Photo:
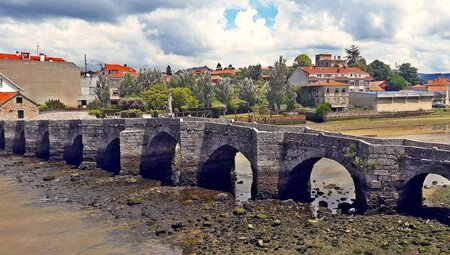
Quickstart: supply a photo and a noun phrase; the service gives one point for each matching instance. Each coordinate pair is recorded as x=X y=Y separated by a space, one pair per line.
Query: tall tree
x=205 y=90
x=224 y=91
x=219 y=67
x=128 y=86
x=277 y=84
x=156 y=97
x=361 y=64
x=182 y=99
x=149 y=77
x=379 y=70
x=353 y=55
x=102 y=90
x=169 y=70
x=409 y=73
x=396 y=82
x=291 y=95
x=253 y=72
x=248 y=91
x=303 y=60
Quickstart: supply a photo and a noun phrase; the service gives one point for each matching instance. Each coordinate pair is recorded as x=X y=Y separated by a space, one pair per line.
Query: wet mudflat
x=200 y=221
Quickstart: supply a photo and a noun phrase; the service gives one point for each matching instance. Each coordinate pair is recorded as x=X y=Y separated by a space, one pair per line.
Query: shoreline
x=202 y=221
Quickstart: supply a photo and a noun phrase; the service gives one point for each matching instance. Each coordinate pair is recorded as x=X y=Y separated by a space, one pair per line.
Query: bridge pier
x=37 y=139
x=14 y=132
x=2 y=135
x=131 y=142
x=65 y=138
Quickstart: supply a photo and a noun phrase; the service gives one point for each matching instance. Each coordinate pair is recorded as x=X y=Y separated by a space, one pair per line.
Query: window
x=336 y=90
x=328 y=90
x=83 y=102
x=19 y=100
x=319 y=75
x=343 y=90
x=361 y=90
x=113 y=71
x=20 y=114
x=1 y=82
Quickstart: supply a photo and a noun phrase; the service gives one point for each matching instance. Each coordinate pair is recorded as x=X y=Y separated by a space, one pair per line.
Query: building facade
x=331 y=92
x=393 y=101
x=440 y=88
x=116 y=74
x=14 y=105
x=42 y=77
x=87 y=92
x=328 y=60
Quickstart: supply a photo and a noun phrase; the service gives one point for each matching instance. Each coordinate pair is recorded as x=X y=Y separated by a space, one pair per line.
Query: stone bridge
x=387 y=173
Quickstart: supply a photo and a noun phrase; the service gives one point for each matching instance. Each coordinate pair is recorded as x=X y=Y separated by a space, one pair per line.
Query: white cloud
x=195 y=33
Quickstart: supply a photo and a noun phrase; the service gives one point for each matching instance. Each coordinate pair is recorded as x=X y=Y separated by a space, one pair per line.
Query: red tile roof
x=121 y=70
x=228 y=71
x=378 y=85
x=32 y=58
x=327 y=83
x=5 y=96
x=439 y=81
x=437 y=88
x=333 y=70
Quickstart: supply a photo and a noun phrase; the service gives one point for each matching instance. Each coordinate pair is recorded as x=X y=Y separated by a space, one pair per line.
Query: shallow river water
x=29 y=225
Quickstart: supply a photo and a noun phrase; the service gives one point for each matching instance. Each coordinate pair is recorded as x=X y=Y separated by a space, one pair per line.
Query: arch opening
x=19 y=143
x=426 y=195
x=228 y=170
x=43 y=147
x=109 y=159
x=2 y=139
x=73 y=153
x=325 y=183
x=160 y=159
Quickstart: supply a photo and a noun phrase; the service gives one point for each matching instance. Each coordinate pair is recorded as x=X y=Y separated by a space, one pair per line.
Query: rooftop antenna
x=37 y=49
x=85 y=63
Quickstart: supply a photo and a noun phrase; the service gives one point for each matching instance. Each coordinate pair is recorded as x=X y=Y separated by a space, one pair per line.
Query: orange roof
x=437 y=88
x=32 y=58
x=331 y=70
x=439 y=81
x=377 y=85
x=327 y=83
x=5 y=96
x=228 y=71
x=118 y=71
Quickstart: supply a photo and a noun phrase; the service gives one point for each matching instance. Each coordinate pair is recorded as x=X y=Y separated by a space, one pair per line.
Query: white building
x=7 y=85
x=87 y=93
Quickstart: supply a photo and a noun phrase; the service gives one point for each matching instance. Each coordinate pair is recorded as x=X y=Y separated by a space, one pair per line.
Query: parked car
x=438 y=105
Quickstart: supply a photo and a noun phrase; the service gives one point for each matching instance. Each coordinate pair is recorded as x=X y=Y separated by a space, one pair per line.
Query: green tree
x=224 y=91
x=102 y=90
x=219 y=67
x=409 y=73
x=277 y=84
x=396 y=82
x=132 y=103
x=253 y=72
x=205 y=90
x=362 y=64
x=156 y=97
x=182 y=99
x=303 y=60
x=321 y=112
x=304 y=99
x=128 y=86
x=147 y=78
x=379 y=70
x=248 y=91
x=353 y=55
x=291 y=95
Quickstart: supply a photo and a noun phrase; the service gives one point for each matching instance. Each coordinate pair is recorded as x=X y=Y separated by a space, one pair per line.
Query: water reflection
x=244 y=178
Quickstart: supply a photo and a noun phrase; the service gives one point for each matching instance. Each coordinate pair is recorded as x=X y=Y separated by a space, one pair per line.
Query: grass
x=343 y=125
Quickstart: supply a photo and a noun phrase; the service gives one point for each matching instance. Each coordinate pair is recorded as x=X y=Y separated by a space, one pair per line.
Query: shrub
x=43 y=107
x=96 y=112
x=321 y=112
x=132 y=103
x=131 y=113
x=55 y=104
x=95 y=104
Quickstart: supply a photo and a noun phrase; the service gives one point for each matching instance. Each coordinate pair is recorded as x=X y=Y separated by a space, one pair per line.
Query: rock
x=250 y=226
x=49 y=178
x=131 y=180
x=239 y=182
x=422 y=249
x=260 y=243
x=177 y=225
x=330 y=186
x=276 y=223
x=425 y=242
x=134 y=201
x=239 y=211
x=207 y=223
x=312 y=221
x=261 y=216
x=74 y=177
x=323 y=204
x=222 y=197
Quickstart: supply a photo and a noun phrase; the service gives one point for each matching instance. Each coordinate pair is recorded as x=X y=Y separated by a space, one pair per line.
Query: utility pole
x=37 y=48
x=85 y=64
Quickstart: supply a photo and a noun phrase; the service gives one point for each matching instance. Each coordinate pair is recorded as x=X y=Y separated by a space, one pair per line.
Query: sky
x=182 y=34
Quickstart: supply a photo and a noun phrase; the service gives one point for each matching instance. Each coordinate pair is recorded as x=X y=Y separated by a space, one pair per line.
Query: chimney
x=339 y=57
x=17 y=53
x=125 y=65
x=41 y=57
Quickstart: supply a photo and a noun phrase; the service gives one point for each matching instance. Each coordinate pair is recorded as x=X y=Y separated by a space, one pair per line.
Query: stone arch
x=43 y=147
x=2 y=139
x=19 y=143
x=73 y=152
x=216 y=172
x=158 y=160
x=296 y=183
x=109 y=159
x=411 y=192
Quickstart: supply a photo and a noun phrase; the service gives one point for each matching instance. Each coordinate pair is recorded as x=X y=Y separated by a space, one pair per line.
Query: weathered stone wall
x=10 y=109
x=387 y=173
